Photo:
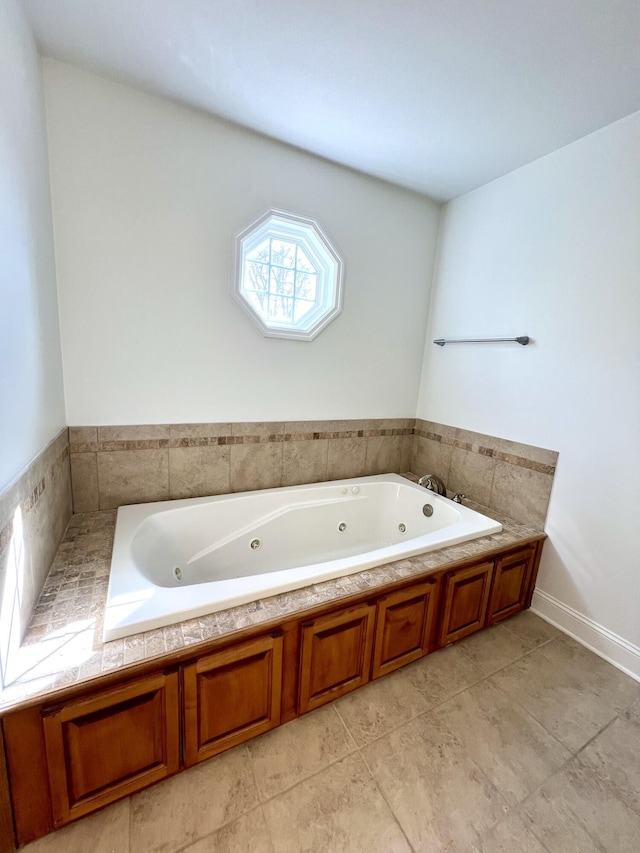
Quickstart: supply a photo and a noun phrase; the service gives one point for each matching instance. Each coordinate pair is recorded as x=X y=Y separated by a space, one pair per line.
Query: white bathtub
x=175 y=560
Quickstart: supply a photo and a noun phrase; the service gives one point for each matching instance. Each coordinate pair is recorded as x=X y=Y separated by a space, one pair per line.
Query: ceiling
x=440 y=96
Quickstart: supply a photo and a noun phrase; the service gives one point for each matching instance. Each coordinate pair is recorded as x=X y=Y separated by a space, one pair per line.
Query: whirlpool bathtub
x=176 y=560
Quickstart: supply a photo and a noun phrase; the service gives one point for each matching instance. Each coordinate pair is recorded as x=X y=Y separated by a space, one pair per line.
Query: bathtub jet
x=176 y=560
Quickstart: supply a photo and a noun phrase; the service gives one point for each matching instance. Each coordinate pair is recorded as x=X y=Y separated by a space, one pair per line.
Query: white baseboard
x=614 y=649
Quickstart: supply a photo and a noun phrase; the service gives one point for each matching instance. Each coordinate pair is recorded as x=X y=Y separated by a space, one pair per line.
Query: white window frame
x=290 y=227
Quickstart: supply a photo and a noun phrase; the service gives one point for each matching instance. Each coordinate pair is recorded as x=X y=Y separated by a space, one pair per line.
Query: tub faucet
x=434 y=483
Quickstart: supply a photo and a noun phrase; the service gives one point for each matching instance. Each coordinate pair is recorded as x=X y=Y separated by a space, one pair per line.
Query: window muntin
x=288 y=276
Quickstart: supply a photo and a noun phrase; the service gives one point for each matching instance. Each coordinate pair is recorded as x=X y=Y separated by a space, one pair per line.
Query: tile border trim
x=222 y=440
x=512 y=459
x=229 y=437
x=13 y=496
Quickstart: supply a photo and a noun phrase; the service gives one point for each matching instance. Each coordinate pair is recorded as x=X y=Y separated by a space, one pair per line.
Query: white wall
x=148 y=197
x=553 y=251
x=31 y=395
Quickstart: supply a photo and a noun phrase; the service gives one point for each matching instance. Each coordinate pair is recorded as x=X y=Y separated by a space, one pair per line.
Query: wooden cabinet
x=112 y=744
x=90 y=750
x=7 y=836
x=511 y=583
x=231 y=696
x=336 y=655
x=464 y=604
x=404 y=624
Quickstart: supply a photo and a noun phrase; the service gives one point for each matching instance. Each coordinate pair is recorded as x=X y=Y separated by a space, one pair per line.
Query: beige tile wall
x=42 y=493
x=514 y=479
x=111 y=466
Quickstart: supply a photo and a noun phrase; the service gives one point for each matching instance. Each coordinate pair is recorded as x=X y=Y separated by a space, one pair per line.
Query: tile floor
x=515 y=739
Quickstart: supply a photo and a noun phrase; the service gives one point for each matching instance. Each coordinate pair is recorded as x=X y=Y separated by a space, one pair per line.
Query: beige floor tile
x=381 y=706
x=531 y=628
x=514 y=751
x=340 y=809
x=442 y=674
x=576 y=813
x=297 y=750
x=193 y=804
x=439 y=795
x=107 y=831
x=614 y=757
x=247 y=834
x=571 y=691
x=511 y=835
x=493 y=649
x=633 y=713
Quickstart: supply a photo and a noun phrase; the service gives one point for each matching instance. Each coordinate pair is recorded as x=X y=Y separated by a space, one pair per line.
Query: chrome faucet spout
x=433 y=483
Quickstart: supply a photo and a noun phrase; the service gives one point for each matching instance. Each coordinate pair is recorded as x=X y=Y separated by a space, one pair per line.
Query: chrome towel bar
x=522 y=339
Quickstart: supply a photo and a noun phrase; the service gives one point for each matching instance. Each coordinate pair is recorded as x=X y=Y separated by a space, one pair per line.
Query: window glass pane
x=283 y=253
x=256 y=277
x=282 y=281
x=280 y=309
x=259 y=302
x=306 y=286
x=303 y=263
x=260 y=254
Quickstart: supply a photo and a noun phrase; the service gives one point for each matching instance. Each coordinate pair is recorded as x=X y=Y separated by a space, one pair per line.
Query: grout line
x=98 y=483
x=253 y=770
x=596 y=735
x=306 y=778
x=384 y=797
x=483 y=677
x=201 y=838
x=268 y=827
x=528 y=712
x=345 y=726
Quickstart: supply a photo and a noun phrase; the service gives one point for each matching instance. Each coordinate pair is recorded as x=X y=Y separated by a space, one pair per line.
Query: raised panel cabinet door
x=336 y=655
x=403 y=627
x=510 y=587
x=465 y=600
x=107 y=746
x=231 y=696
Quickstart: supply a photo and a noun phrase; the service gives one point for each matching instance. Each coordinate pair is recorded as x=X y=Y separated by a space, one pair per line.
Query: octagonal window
x=288 y=276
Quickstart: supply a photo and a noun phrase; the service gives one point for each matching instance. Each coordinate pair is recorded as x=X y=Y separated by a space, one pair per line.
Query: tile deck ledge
x=63 y=646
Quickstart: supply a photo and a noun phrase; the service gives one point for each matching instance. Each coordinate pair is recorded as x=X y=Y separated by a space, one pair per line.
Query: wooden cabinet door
x=403 y=627
x=7 y=835
x=336 y=655
x=231 y=696
x=510 y=588
x=102 y=748
x=465 y=599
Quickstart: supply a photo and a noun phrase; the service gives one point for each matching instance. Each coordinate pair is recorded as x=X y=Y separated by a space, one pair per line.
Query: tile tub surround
x=63 y=646
x=506 y=476
x=30 y=538
x=111 y=466
x=116 y=465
